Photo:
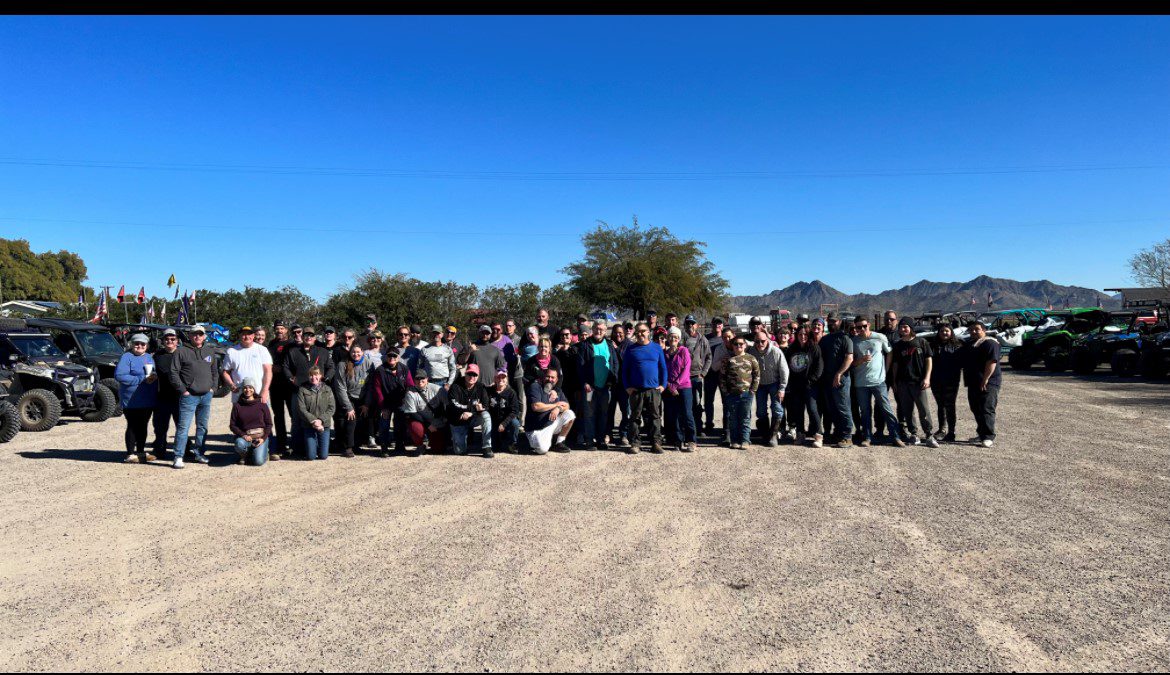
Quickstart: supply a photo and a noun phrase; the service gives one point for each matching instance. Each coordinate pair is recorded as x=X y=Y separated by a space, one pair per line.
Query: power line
x=569 y=175
x=804 y=229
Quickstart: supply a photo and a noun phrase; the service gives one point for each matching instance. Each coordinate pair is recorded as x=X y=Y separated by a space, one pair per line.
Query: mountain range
x=925 y=296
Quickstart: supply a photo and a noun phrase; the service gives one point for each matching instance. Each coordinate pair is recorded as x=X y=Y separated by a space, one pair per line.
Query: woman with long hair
x=804 y=372
x=349 y=388
x=944 y=379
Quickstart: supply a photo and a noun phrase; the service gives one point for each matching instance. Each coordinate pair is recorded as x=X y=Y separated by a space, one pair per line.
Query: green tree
x=637 y=268
x=397 y=299
x=25 y=275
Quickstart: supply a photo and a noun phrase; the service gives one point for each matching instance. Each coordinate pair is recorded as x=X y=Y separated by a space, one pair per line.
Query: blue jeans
x=838 y=400
x=316 y=443
x=680 y=417
x=459 y=432
x=595 y=407
x=256 y=456
x=766 y=393
x=196 y=408
x=884 y=415
x=737 y=411
x=510 y=435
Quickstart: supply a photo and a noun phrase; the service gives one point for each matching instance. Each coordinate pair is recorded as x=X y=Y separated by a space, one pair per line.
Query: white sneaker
x=178 y=464
x=818 y=441
x=914 y=441
x=931 y=442
x=987 y=443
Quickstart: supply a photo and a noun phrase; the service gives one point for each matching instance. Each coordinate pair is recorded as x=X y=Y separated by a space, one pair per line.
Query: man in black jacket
x=467 y=406
x=280 y=392
x=504 y=408
x=166 y=407
x=298 y=359
x=193 y=374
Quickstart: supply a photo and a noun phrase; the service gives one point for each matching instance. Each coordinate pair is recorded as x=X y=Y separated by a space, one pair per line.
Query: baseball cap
x=415 y=328
x=309 y=330
x=246 y=329
x=278 y=323
x=436 y=329
x=139 y=338
x=452 y=329
x=330 y=329
x=421 y=374
x=690 y=319
x=393 y=351
x=502 y=371
x=472 y=368
x=716 y=320
x=651 y=312
x=199 y=329
x=170 y=331
x=484 y=328
x=295 y=326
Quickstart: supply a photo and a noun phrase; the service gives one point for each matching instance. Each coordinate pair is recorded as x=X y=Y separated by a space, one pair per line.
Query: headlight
x=83 y=385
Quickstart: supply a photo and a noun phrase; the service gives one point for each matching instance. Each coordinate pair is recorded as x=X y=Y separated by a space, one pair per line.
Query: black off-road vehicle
x=9 y=420
x=42 y=383
x=88 y=344
x=1116 y=344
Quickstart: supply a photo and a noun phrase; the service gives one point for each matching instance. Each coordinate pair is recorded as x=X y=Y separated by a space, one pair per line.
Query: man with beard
x=549 y=415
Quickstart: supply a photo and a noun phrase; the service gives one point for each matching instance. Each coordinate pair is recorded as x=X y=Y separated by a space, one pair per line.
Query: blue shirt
x=644 y=366
x=130 y=373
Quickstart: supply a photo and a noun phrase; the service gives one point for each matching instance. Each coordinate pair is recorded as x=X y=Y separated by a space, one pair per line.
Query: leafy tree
x=636 y=268
x=398 y=299
x=39 y=276
x=1151 y=268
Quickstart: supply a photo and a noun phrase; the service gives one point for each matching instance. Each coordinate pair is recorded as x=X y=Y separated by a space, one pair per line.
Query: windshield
x=37 y=346
x=96 y=342
x=988 y=319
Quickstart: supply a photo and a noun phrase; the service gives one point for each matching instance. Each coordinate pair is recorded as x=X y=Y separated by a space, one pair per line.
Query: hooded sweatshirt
x=352 y=389
x=252 y=414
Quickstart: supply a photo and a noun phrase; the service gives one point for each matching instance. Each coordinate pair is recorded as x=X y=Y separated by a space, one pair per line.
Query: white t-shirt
x=243 y=363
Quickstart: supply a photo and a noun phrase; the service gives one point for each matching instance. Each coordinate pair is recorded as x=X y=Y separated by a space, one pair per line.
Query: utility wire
x=568 y=175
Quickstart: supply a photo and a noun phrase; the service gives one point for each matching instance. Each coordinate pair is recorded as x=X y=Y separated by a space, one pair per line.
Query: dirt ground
x=1046 y=552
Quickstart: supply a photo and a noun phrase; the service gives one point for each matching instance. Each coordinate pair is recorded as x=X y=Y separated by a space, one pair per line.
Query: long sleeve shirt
x=740 y=374
x=773 y=365
x=644 y=367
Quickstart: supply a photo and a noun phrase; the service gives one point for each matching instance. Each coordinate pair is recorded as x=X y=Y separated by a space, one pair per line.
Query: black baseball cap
x=690 y=319
x=716 y=320
x=278 y=323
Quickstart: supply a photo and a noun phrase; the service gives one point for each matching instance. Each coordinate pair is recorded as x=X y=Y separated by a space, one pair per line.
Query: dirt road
x=1046 y=552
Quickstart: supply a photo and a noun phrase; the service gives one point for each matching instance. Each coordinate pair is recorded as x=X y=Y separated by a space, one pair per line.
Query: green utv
x=1052 y=343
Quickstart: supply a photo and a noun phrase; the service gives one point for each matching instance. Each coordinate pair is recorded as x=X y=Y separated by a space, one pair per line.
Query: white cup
x=149 y=369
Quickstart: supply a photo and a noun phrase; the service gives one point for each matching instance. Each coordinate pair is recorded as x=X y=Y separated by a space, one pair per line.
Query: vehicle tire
x=1019 y=359
x=1124 y=363
x=1083 y=363
x=112 y=384
x=38 y=410
x=1151 y=364
x=1056 y=359
x=104 y=401
x=9 y=422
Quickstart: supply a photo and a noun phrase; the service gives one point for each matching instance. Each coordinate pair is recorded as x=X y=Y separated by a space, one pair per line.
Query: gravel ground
x=1046 y=552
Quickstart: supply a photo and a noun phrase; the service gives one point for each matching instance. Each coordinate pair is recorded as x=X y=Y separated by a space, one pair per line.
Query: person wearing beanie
x=251 y=423
x=423 y=421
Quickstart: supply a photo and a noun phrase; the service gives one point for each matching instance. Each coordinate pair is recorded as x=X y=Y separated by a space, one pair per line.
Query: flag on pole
x=100 y=312
x=142 y=295
x=1098 y=302
x=176 y=293
x=1048 y=302
x=171 y=281
x=122 y=294
x=184 y=311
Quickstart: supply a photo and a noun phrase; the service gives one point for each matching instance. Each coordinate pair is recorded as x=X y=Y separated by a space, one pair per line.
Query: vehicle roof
x=66 y=324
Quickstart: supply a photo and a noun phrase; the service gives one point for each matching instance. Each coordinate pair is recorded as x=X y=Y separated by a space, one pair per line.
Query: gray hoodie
x=773 y=365
x=193 y=370
x=700 y=351
x=350 y=389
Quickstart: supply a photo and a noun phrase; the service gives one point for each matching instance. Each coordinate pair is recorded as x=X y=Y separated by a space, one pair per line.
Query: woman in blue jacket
x=138 y=389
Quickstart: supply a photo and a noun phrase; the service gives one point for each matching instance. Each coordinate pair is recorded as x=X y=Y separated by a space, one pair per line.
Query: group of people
x=550 y=389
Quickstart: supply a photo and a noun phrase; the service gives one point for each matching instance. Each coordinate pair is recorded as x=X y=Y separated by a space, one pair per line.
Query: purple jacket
x=678 y=368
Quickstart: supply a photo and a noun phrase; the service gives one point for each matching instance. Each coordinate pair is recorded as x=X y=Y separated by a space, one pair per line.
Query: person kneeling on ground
x=467 y=407
x=549 y=415
x=504 y=408
x=251 y=422
x=418 y=415
x=316 y=405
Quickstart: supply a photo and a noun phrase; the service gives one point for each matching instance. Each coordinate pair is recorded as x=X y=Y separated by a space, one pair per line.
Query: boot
x=761 y=428
x=773 y=433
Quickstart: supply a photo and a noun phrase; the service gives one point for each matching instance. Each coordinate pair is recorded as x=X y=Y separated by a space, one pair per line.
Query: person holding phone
x=138 y=390
x=251 y=422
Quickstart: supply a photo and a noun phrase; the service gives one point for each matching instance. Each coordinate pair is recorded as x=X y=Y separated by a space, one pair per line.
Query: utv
x=9 y=420
x=1154 y=358
x=43 y=384
x=1116 y=344
x=88 y=344
x=1052 y=343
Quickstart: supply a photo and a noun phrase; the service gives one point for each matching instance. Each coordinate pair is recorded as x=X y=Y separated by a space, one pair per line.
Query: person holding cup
x=138 y=390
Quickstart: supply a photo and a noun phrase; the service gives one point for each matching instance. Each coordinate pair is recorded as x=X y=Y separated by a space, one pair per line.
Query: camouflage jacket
x=740 y=373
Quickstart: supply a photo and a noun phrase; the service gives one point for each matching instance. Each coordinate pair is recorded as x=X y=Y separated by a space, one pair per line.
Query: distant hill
x=925 y=296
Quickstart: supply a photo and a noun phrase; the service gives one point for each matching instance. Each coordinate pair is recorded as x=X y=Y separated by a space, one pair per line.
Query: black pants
x=348 y=430
x=983 y=405
x=165 y=412
x=137 y=422
x=281 y=399
x=644 y=407
x=710 y=390
x=944 y=398
x=805 y=401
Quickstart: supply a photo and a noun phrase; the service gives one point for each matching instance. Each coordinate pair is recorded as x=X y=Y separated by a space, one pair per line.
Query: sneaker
x=865 y=443
x=678 y=448
x=844 y=443
x=201 y=458
x=178 y=464
x=949 y=438
x=348 y=453
x=987 y=443
x=274 y=456
x=512 y=449
x=132 y=459
x=818 y=441
x=633 y=449
x=488 y=454
x=624 y=442
x=931 y=442
x=147 y=457
x=771 y=441
x=383 y=453
x=656 y=448
x=689 y=447
x=899 y=443
x=242 y=460
x=560 y=447
x=914 y=440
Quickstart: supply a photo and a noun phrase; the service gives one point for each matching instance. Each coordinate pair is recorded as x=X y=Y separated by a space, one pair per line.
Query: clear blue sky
x=866 y=152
